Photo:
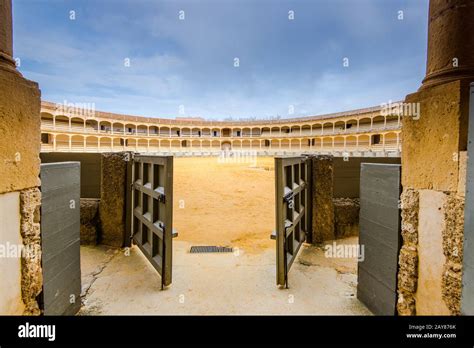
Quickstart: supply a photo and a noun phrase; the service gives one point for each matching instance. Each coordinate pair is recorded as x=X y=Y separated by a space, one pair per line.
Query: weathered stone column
x=112 y=206
x=6 y=37
x=450 y=42
x=323 y=207
x=433 y=152
x=19 y=178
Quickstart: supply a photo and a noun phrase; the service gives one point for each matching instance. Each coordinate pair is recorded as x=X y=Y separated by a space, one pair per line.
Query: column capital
x=6 y=36
x=450 y=42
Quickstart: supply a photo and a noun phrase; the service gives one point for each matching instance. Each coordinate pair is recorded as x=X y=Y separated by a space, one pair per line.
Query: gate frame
x=281 y=235
x=165 y=270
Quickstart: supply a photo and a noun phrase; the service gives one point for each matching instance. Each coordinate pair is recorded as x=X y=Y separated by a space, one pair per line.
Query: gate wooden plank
x=293 y=211
x=379 y=235
x=152 y=211
x=60 y=237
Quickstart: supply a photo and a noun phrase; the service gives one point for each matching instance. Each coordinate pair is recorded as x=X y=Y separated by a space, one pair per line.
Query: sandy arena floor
x=225 y=203
x=228 y=204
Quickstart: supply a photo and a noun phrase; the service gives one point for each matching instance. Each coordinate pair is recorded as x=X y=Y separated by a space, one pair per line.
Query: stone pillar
x=430 y=260
x=112 y=207
x=450 y=42
x=6 y=37
x=323 y=207
x=19 y=174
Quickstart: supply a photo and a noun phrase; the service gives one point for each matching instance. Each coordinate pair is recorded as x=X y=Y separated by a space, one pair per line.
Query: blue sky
x=186 y=67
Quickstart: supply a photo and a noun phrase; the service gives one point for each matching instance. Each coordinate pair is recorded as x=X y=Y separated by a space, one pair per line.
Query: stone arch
x=378 y=122
x=154 y=145
x=317 y=128
x=351 y=125
x=327 y=143
x=364 y=124
x=328 y=127
x=164 y=131
x=364 y=142
x=92 y=143
x=142 y=129
x=206 y=144
x=153 y=130
x=77 y=124
x=275 y=144
x=339 y=143
x=77 y=143
x=105 y=126
x=226 y=146
x=62 y=142
x=215 y=145
x=295 y=144
x=105 y=144
x=306 y=130
x=351 y=142
x=196 y=144
x=117 y=127
x=62 y=122
x=340 y=126
x=47 y=120
x=285 y=144
x=118 y=144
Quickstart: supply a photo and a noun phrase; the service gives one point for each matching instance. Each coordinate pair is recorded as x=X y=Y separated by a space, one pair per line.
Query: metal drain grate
x=209 y=249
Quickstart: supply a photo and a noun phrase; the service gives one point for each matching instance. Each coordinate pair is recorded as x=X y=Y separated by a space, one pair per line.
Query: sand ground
x=227 y=204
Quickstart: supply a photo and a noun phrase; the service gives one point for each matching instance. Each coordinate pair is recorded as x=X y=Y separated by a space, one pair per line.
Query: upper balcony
x=63 y=124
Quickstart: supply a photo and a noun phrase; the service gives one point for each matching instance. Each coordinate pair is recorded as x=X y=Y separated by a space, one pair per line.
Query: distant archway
x=226 y=146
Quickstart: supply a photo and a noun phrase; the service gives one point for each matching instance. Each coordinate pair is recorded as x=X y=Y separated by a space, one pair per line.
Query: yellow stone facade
x=357 y=131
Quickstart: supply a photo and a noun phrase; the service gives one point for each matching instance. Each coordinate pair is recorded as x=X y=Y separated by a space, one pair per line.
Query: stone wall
x=424 y=168
x=103 y=219
x=346 y=217
x=20 y=129
x=408 y=259
x=453 y=236
x=113 y=198
x=32 y=276
x=333 y=217
x=10 y=267
x=430 y=260
x=19 y=171
x=90 y=224
x=323 y=207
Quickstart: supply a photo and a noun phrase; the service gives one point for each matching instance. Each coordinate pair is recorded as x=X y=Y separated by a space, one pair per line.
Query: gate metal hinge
x=161 y=198
x=288 y=196
x=174 y=233
x=288 y=224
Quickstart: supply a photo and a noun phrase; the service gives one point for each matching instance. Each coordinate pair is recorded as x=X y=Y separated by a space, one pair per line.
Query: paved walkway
x=230 y=283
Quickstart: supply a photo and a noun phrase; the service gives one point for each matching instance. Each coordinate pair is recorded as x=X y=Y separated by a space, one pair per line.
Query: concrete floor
x=230 y=283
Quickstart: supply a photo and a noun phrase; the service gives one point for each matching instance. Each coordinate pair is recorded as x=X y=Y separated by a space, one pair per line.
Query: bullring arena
x=224 y=195
x=70 y=129
x=358 y=212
